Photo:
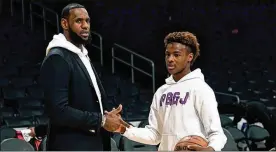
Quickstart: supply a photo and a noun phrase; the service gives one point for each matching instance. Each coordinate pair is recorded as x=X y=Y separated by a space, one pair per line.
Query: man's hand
x=198 y=148
x=114 y=121
x=115 y=111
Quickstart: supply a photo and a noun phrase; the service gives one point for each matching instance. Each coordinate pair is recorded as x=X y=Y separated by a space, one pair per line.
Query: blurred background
x=237 y=58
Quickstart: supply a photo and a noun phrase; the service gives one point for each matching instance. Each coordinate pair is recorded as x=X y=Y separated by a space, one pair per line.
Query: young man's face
x=177 y=57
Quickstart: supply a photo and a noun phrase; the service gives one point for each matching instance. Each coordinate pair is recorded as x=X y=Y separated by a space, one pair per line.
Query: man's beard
x=77 y=39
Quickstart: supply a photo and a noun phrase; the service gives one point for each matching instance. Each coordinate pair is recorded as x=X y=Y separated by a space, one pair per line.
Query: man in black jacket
x=73 y=98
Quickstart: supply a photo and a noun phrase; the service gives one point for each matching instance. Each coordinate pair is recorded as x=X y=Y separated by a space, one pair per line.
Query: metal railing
x=22 y=7
x=43 y=17
x=229 y=95
x=100 y=47
x=131 y=64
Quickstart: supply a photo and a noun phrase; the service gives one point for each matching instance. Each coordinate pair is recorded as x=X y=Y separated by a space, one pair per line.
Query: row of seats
x=237 y=140
x=250 y=139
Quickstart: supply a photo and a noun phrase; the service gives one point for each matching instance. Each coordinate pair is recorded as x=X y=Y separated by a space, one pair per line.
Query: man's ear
x=64 y=24
x=190 y=57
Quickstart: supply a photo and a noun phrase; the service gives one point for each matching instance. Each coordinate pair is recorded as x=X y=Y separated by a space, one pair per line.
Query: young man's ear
x=190 y=57
x=64 y=24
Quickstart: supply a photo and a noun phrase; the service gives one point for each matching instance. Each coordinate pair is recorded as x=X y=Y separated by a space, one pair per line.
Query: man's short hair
x=66 y=10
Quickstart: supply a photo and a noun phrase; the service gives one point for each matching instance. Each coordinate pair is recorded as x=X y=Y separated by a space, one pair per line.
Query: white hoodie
x=179 y=109
x=60 y=41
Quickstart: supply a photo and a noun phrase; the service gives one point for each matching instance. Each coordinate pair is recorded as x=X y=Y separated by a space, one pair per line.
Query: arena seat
x=128 y=145
x=35 y=92
x=6 y=112
x=117 y=137
x=256 y=134
x=140 y=107
x=230 y=145
x=29 y=103
x=111 y=90
x=4 y=82
x=29 y=71
x=42 y=146
x=239 y=137
x=7 y=71
x=22 y=82
x=7 y=133
x=19 y=122
x=113 y=145
x=146 y=96
x=14 y=144
x=127 y=89
x=143 y=123
x=111 y=84
x=15 y=61
x=14 y=93
x=41 y=120
x=30 y=111
x=226 y=121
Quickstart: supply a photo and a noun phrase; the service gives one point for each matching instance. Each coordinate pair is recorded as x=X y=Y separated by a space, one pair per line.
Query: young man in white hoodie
x=185 y=105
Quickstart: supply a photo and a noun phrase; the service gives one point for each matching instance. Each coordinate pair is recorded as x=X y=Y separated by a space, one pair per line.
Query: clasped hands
x=114 y=121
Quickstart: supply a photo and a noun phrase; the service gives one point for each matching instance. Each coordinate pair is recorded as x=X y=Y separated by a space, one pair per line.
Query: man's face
x=79 y=26
x=177 y=57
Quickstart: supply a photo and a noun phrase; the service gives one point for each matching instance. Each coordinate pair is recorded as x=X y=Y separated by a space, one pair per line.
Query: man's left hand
x=198 y=148
x=114 y=121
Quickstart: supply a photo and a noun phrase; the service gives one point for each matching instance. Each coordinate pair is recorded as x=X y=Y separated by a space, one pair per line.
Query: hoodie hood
x=196 y=74
x=60 y=41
